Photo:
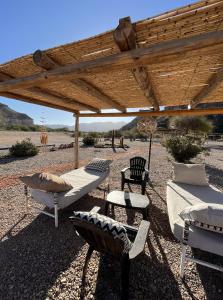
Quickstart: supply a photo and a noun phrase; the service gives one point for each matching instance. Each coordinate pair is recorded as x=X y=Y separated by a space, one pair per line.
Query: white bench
x=180 y=196
x=83 y=182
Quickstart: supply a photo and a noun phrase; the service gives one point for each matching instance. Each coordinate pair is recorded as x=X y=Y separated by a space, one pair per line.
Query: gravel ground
x=38 y=261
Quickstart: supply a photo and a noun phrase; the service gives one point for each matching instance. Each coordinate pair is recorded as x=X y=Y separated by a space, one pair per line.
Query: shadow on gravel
x=146 y=277
x=8 y=159
x=215 y=175
x=32 y=260
x=212 y=280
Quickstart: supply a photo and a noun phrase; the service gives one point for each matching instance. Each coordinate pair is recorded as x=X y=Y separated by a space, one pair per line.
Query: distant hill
x=163 y=122
x=94 y=126
x=9 y=117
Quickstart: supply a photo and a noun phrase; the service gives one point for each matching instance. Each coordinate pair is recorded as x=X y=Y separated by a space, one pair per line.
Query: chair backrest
x=137 y=167
x=100 y=240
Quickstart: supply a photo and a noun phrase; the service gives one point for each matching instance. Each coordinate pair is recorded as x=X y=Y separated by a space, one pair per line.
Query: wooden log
x=36 y=101
x=191 y=112
x=76 y=142
x=41 y=59
x=205 y=44
x=48 y=97
x=125 y=38
x=214 y=81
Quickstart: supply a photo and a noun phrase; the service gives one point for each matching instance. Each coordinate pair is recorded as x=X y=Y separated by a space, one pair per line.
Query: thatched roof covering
x=172 y=59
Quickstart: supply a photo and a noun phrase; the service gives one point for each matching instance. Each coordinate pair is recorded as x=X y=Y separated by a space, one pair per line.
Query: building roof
x=172 y=59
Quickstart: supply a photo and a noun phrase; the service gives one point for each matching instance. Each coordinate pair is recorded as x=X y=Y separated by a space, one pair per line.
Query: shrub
x=182 y=148
x=89 y=141
x=194 y=124
x=24 y=148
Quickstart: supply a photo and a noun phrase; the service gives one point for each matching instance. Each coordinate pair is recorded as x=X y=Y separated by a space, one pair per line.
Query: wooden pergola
x=172 y=59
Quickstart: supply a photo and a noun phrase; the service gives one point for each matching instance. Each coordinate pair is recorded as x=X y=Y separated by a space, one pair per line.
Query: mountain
x=9 y=116
x=163 y=122
x=94 y=126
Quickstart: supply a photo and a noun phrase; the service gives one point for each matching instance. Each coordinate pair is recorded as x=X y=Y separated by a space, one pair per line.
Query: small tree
x=182 y=148
x=193 y=124
x=89 y=141
x=24 y=148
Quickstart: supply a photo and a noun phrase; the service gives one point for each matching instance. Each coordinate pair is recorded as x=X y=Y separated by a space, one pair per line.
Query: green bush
x=89 y=141
x=182 y=148
x=24 y=148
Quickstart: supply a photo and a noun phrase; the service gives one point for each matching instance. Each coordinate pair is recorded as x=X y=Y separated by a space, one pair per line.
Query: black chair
x=104 y=242
x=138 y=173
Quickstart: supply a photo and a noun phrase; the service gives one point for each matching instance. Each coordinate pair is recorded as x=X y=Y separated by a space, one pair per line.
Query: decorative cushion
x=98 y=164
x=46 y=182
x=209 y=216
x=190 y=174
x=107 y=224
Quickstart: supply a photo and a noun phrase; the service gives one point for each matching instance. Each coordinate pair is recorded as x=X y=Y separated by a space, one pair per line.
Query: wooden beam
x=49 y=97
x=76 y=142
x=125 y=38
x=42 y=60
x=35 y=101
x=214 y=81
x=191 y=112
x=204 y=44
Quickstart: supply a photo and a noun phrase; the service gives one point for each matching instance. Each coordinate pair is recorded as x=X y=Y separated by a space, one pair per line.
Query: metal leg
x=182 y=260
x=27 y=198
x=87 y=259
x=56 y=215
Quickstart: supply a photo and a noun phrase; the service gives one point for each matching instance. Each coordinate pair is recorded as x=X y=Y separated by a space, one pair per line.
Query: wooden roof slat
x=204 y=44
x=44 y=61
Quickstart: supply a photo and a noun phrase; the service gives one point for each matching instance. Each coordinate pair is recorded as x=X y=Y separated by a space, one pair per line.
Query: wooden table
x=128 y=200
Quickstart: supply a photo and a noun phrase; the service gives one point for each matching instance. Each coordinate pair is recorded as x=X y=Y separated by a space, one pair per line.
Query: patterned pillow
x=106 y=224
x=98 y=164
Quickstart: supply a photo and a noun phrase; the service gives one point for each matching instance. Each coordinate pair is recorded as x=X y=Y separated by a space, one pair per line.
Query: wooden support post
x=76 y=142
x=125 y=38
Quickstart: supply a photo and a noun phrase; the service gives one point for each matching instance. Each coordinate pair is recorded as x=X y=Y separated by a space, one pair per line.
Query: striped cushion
x=98 y=164
x=208 y=216
x=106 y=224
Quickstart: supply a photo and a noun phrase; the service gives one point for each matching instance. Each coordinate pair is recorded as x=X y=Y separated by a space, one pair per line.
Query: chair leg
x=125 y=268
x=87 y=259
x=106 y=208
x=143 y=189
x=182 y=261
x=56 y=215
x=122 y=185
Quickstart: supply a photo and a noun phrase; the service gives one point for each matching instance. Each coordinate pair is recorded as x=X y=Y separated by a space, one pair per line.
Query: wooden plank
x=36 y=101
x=76 y=142
x=125 y=38
x=191 y=112
x=48 y=97
x=42 y=60
x=205 y=44
x=214 y=81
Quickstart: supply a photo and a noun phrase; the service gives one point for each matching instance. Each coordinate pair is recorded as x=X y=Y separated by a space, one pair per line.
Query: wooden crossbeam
x=38 y=92
x=214 y=81
x=42 y=60
x=125 y=38
x=204 y=44
x=183 y=112
x=48 y=97
x=36 y=101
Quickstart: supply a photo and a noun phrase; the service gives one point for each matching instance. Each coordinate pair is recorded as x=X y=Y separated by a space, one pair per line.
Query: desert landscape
x=41 y=262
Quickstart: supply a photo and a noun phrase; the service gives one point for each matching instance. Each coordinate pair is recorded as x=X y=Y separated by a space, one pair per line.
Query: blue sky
x=28 y=25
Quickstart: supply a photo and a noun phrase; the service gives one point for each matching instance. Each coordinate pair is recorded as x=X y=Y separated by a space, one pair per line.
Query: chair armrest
x=124 y=170
x=140 y=240
x=95 y=209
x=146 y=175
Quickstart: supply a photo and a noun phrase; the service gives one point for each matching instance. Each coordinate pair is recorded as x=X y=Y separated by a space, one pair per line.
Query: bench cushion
x=83 y=182
x=180 y=196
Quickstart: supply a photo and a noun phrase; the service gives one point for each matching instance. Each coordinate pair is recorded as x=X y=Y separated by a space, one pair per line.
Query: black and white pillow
x=99 y=165
x=106 y=224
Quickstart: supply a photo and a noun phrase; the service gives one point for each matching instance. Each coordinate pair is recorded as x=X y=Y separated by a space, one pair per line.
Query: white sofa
x=180 y=196
x=83 y=182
